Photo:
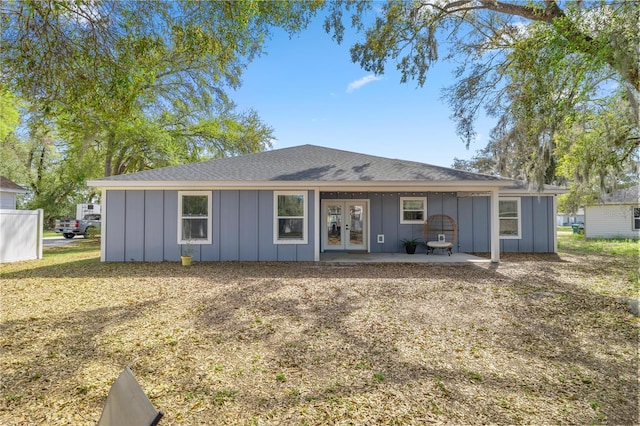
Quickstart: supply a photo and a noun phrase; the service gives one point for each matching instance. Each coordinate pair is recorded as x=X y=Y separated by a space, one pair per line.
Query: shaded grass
x=536 y=339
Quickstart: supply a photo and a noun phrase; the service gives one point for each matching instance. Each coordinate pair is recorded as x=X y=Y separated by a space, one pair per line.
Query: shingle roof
x=306 y=163
x=626 y=195
x=7 y=184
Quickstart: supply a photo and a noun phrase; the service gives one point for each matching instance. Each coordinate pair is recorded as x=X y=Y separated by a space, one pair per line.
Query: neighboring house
x=292 y=204
x=617 y=215
x=8 y=193
x=570 y=219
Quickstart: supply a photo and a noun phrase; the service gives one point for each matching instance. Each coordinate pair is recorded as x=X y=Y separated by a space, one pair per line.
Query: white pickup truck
x=89 y=226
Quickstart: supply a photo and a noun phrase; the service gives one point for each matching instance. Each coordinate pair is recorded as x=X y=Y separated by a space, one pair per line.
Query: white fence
x=20 y=235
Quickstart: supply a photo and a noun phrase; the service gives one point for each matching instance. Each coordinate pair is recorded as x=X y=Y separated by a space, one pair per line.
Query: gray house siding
x=472 y=216
x=141 y=225
x=154 y=219
x=134 y=226
x=115 y=226
x=474 y=222
x=538 y=227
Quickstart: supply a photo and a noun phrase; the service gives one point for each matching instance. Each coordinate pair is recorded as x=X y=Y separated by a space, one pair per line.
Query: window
x=636 y=218
x=413 y=210
x=509 y=213
x=290 y=213
x=194 y=217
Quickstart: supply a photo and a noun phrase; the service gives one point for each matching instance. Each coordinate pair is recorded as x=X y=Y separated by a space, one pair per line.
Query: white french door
x=344 y=224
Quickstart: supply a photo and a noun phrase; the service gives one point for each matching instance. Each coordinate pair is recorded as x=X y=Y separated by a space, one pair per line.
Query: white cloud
x=355 y=85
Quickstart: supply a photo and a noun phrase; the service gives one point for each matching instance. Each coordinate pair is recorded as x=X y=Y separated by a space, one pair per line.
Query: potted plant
x=410 y=245
x=187 y=253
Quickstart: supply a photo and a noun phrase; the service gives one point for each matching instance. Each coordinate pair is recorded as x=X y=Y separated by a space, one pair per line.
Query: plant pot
x=186 y=260
x=410 y=249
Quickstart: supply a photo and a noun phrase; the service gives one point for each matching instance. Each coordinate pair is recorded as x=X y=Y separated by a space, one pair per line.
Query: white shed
x=8 y=193
x=617 y=215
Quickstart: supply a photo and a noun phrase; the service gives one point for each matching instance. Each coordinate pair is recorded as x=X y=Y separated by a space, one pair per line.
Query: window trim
x=424 y=211
x=305 y=218
x=518 y=218
x=634 y=218
x=209 y=217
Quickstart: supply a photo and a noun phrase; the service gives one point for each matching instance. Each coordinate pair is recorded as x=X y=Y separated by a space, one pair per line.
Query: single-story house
x=291 y=204
x=617 y=215
x=9 y=190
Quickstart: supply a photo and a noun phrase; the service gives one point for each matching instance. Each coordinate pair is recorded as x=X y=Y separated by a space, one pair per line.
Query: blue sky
x=310 y=92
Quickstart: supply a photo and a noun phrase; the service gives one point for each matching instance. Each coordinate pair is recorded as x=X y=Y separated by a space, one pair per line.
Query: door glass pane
x=334 y=225
x=356 y=225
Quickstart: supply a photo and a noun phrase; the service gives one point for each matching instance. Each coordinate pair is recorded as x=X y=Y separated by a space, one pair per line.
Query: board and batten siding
x=142 y=225
x=537 y=226
x=472 y=216
x=610 y=221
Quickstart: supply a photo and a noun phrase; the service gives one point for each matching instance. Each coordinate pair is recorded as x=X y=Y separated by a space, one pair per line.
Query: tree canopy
x=562 y=79
x=114 y=86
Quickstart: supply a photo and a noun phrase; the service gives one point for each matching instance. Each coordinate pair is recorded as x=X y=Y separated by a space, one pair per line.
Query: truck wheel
x=90 y=232
x=69 y=236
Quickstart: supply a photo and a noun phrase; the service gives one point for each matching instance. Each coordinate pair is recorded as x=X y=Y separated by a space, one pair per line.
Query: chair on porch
x=439 y=232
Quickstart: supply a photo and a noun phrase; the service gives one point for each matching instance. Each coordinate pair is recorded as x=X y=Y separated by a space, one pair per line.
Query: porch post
x=316 y=225
x=495 y=225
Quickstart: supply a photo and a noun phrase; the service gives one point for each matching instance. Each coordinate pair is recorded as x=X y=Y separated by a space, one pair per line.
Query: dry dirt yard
x=535 y=340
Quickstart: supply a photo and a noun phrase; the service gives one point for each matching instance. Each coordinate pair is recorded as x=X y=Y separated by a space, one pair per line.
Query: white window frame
x=209 y=217
x=305 y=218
x=518 y=218
x=633 y=219
x=402 y=210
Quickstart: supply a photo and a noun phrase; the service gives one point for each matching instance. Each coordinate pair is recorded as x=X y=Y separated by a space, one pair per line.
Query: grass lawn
x=537 y=339
x=618 y=246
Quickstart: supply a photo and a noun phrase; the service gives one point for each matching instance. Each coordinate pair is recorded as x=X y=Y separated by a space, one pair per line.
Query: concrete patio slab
x=351 y=257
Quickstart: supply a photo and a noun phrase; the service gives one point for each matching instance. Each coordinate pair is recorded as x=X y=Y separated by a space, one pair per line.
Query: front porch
x=361 y=257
